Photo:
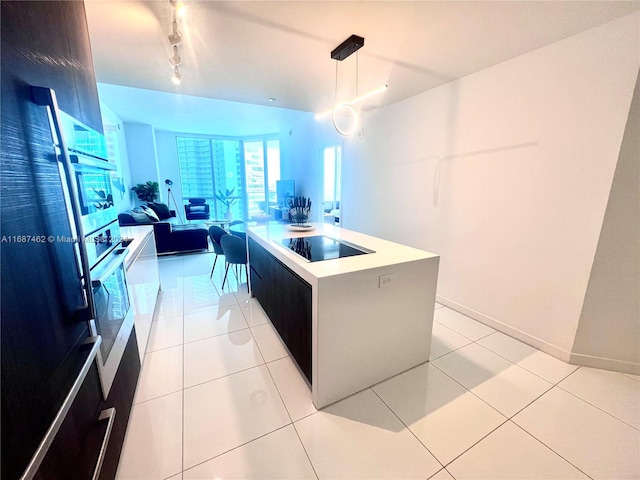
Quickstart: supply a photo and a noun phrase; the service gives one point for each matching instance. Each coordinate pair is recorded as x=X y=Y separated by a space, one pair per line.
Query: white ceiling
x=248 y=51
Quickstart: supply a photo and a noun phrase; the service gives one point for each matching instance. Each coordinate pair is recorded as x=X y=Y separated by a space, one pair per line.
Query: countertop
x=386 y=253
x=137 y=234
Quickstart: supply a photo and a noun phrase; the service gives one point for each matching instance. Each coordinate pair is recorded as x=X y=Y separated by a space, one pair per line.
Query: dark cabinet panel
x=43 y=43
x=121 y=398
x=286 y=298
x=75 y=450
x=73 y=453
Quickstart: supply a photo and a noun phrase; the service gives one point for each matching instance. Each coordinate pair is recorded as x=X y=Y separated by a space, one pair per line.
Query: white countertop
x=137 y=233
x=386 y=253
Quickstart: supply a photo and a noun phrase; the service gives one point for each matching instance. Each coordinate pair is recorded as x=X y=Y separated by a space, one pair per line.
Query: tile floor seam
x=167 y=317
x=557 y=453
x=305 y=448
x=235 y=448
x=462 y=334
x=279 y=394
x=408 y=429
x=163 y=348
x=597 y=407
x=451 y=351
x=532 y=401
x=292 y=422
x=224 y=376
x=474 y=444
x=524 y=368
x=472 y=393
x=159 y=396
x=213 y=336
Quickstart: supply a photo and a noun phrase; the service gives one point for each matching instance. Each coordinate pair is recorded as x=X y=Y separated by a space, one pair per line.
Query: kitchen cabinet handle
x=46 y=97
x=110 y=415
x=46 y=442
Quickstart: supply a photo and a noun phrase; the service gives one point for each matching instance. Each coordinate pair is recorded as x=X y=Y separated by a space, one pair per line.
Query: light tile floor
x=220 y=398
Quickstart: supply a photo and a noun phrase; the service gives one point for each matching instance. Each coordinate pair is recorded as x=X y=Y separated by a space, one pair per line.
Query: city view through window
x=236 y=177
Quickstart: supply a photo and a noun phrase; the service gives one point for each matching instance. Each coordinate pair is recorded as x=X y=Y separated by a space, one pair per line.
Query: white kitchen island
x=364 y=318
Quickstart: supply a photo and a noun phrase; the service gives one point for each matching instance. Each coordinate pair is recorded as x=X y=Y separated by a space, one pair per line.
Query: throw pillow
x=161 y=210
x=150 y=213
x=139 y=216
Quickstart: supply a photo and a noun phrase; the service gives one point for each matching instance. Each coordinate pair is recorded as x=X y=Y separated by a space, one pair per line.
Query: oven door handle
x=46 y=97
x=112 y=267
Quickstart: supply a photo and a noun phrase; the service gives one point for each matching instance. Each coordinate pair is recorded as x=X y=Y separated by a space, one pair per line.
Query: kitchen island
x=348 y=322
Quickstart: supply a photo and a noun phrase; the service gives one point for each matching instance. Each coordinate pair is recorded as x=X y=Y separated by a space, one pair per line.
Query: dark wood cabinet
x=121 y=398
x=44 y=43
x=286 y=299
x=76 y=447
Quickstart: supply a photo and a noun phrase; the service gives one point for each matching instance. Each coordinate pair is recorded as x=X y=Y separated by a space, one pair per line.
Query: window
x=262 y=170
x=332 y=176
x=210 y=166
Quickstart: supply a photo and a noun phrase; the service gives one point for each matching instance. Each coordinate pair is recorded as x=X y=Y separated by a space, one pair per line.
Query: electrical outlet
x=386 y=280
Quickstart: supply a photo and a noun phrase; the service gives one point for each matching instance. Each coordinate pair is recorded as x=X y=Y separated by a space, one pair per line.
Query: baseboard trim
x=605 y=363
x=554 y=350
x=535 y=342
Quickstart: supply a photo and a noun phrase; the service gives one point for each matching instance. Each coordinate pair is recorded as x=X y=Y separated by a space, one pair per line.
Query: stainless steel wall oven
x=92 y=211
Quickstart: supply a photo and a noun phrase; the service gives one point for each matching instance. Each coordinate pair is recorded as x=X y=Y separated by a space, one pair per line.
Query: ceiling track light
x=176 y=78
x=175 y=60
x=175 y=39
x=176 y=36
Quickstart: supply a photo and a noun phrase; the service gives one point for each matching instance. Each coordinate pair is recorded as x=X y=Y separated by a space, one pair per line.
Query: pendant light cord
x=335 y=94
x=356 y=74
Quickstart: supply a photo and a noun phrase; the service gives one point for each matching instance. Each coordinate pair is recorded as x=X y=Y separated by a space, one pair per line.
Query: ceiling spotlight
x=181 y=10
x=175 y=60
x=176 y=78
x=271 y=99
x=176 y=36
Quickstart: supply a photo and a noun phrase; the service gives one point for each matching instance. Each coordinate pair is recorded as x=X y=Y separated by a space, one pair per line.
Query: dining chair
x=216 y=233
x=235 y=253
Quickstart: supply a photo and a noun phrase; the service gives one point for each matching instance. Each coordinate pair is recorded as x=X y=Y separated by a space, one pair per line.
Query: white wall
x=300 y=147
x=506 y=174
x=122 y=201
x=609 y=326
x=141 y=150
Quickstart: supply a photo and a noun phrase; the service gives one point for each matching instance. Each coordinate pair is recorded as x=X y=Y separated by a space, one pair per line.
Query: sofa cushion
x=198 y=209
x=161 y=210
x=150 y=213
x=140 y=216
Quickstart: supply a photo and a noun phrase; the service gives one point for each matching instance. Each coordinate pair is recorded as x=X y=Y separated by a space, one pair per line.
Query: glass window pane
x=194 y=156
x=255 y=177
x=329 y=174
x=273 y=169
x=228 y=178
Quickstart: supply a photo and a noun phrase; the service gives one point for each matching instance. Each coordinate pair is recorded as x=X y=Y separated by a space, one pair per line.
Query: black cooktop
x=319 y=247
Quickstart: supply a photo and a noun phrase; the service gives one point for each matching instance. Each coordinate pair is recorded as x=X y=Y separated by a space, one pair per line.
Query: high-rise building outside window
x=247 y=170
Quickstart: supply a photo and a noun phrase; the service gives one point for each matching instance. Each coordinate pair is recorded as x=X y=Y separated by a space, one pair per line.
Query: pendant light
x=345 y=110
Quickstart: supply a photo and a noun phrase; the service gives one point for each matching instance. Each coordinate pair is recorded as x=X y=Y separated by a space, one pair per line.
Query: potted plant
x=228 y=200
x=147 y=192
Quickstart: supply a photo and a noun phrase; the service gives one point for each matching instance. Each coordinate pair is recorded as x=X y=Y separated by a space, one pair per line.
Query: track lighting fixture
x=175 y=39
x=175 y=60
x=177 y=77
